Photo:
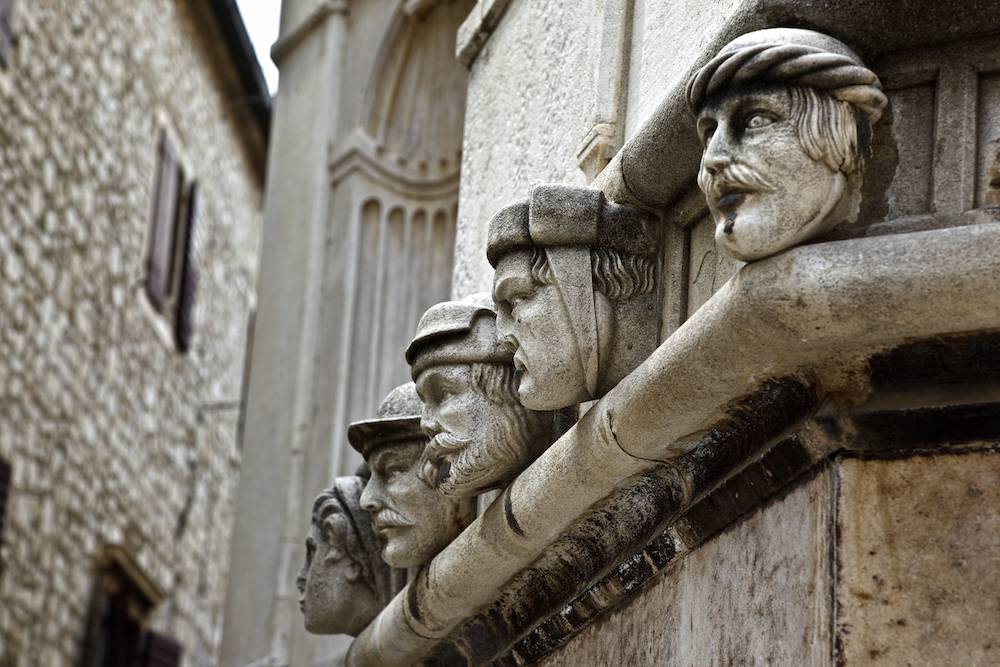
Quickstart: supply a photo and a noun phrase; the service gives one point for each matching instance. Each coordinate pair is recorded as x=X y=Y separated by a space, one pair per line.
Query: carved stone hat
x=457 y=332
x=397 y=420
x=568 y=215
x=795 y=57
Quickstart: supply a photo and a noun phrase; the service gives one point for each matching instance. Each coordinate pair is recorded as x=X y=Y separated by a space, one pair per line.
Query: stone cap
x=569 y=215
x=458 y=332
x=795 y=57
x=397 y=420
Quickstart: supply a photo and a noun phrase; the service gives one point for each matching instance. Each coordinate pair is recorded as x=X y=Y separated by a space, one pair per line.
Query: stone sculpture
x=344 y=582
x=413 y=519
x=481 y=435
x=785 y=117
x=575 y=287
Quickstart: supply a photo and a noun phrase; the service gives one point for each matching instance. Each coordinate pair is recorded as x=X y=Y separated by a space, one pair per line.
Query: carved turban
x=794 y=57
x=569 y=215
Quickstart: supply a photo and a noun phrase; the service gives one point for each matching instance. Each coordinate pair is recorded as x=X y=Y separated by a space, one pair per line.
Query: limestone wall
x=530 y=104
x=114 y=437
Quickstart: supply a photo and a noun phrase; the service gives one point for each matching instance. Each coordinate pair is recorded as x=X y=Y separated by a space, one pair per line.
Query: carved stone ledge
x=850 y=299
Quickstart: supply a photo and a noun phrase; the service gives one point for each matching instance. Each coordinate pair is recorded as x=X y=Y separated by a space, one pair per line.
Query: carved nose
x=367 y=500
x=430 y=426
x=714 y=162
x=717 y=154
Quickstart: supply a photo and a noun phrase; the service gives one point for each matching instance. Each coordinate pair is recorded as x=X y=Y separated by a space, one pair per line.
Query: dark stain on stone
x=508 y=512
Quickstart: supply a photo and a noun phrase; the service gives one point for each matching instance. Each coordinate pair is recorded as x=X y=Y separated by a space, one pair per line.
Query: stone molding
x=295 y=36
x=476 y=30
x=359 y=154
x=604 y=139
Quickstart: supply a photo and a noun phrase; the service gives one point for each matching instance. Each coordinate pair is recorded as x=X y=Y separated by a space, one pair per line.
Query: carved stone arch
x=414 y=104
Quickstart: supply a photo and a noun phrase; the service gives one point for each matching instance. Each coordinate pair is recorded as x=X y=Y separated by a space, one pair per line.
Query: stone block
x=917 y=561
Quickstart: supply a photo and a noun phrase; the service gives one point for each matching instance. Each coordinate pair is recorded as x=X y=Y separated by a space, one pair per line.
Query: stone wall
x=114 y=437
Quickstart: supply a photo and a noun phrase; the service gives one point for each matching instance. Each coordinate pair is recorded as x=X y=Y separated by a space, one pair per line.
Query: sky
x=261 y=19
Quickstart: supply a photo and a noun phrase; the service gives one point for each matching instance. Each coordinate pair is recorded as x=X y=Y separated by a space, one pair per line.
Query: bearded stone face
x=413 y=519
x=481 y=436
x=764 y=191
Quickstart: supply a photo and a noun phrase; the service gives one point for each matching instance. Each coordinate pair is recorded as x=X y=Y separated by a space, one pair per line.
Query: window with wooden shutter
x=174 y=255
x=160 y=261
x=6 y=30
x=190 y=259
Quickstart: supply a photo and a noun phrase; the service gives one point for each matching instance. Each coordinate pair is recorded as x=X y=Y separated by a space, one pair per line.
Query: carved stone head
x=413 y=519
x=575 y=288
x=481 y=435
x=344 y=582
x=785 y=117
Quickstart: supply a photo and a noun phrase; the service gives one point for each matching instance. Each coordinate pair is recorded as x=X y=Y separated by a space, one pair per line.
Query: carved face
x=415 y=521
x=481 y=436
x=333 y=596
x=765 y=193
x=533 y=317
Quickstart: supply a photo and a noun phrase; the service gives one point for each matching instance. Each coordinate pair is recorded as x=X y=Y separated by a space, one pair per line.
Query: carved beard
x=462 y=467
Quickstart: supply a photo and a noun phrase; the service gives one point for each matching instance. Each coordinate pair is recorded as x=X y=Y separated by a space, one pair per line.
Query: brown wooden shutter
x=160 y=651
x=6 y=30
x=159 y=269
x=184 y=326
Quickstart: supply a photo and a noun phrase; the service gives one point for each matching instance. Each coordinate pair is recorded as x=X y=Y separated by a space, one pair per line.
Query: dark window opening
x=6 y=31
x=5 y=474
x=117 y=634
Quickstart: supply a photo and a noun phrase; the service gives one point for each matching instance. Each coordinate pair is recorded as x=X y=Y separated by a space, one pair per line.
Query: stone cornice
x=294 y=36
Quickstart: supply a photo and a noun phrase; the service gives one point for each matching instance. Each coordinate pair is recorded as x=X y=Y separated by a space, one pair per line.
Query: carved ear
x=353 y=572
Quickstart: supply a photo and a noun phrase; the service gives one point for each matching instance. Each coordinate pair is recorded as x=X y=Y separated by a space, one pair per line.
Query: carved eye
x=758 y=120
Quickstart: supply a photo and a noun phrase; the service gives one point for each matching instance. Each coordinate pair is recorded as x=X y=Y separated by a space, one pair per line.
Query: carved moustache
x=733 y=180
x=390 y=518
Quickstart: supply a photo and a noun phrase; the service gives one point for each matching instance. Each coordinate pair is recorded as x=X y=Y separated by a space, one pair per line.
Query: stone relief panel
x=394 y=196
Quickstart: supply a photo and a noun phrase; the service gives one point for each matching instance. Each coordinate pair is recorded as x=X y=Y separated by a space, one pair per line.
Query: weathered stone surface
x=917 y=560
x=523 y=121
x=114 y=437
x=738 y=600
x=344 y=582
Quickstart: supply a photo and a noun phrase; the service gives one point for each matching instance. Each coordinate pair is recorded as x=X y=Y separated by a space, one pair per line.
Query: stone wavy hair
x=830 y=130
x=616 y=275
x=339 y=517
